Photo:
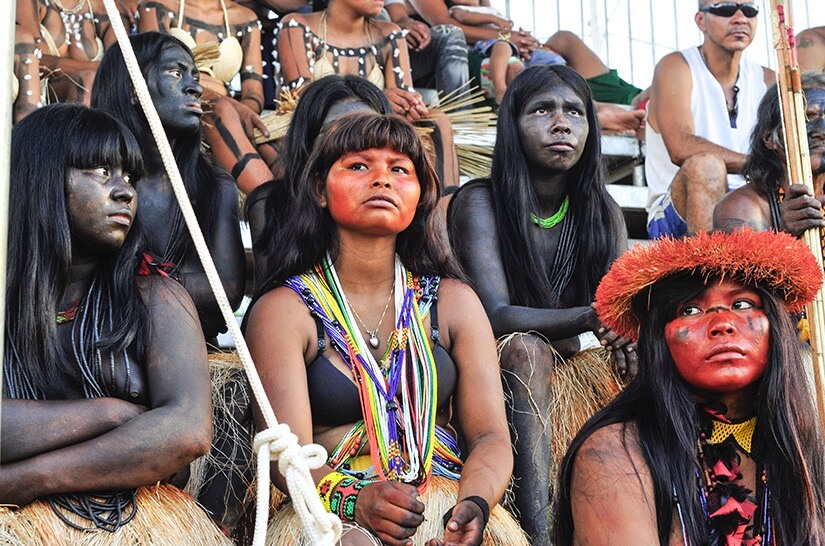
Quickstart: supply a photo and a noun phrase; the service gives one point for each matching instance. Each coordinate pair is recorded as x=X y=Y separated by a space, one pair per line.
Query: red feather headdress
x=775 y=260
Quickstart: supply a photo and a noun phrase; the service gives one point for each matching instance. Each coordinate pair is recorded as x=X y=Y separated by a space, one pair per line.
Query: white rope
x=294 y=461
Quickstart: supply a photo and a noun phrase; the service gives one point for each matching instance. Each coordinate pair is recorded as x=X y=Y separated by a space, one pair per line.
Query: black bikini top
x=333 y=396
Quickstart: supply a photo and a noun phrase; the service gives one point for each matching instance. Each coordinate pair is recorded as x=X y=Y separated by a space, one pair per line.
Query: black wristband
x=475 y=499
x=481 y=503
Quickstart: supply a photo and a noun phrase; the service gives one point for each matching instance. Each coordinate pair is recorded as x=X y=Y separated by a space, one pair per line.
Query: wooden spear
x=798 y=161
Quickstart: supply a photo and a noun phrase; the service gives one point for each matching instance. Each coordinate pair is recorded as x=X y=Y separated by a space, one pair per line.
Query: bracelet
x=342 y=500
x=503 y=36
x=327 y=485
x=475 y=499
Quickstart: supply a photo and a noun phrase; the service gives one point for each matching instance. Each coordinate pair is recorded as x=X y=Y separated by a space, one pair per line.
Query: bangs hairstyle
x=277 y=196
x=46 y=144
x=764 y=167
x=308 y=233
x=597 y=217
x=664 y=411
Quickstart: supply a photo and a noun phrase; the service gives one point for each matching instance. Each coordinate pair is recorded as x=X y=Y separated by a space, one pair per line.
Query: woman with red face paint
x=369 y=344
x=716 y=440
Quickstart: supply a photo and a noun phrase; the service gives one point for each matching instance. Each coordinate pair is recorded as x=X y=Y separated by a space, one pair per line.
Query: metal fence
x=632 y=35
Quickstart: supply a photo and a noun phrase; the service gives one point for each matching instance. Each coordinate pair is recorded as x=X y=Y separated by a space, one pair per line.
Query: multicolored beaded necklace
x=398 y=394
x=733 y=511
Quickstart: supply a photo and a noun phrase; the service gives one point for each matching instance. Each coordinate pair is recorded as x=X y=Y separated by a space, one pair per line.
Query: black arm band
x=475 y=499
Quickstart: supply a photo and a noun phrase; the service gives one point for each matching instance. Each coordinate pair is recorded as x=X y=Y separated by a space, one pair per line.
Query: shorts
x=611 y=88
x=663 y=220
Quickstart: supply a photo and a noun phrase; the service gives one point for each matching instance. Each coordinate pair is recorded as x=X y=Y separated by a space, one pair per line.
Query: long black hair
x=764 y=167
x=309 y=233
x=113 y=92
x=596 y=214
x=307 y=122
x=46 y=144
x=666 y=418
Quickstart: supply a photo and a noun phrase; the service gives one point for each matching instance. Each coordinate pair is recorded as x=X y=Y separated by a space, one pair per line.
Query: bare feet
x=616 y=120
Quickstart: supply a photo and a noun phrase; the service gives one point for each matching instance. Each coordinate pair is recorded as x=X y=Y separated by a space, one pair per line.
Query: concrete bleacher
x=624 y=156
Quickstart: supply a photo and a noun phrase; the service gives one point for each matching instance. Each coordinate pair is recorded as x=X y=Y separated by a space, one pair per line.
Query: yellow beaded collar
x=742 y=433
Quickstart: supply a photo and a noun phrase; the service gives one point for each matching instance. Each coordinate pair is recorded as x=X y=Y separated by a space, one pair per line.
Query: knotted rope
x=294 y=461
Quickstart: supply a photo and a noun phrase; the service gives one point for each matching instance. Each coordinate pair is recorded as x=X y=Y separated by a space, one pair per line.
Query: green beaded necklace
x=547 y=223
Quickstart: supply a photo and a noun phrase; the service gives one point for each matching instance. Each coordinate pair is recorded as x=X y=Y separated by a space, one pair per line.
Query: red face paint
x=720 y=341
x=373 y=191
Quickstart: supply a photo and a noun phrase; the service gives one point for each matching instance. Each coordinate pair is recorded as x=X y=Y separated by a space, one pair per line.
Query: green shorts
x=610 y=87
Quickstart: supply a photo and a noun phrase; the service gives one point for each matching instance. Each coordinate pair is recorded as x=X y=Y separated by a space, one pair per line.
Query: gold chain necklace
x=373 y=340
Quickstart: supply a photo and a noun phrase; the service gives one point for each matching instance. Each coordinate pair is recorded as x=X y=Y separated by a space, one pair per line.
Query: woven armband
x=343 y=497
x=327 y=485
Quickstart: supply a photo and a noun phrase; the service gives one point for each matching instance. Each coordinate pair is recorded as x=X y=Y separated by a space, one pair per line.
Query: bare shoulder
x=742 y=207
x=385 y=28
x=279 y=302
x=308 y=20
x=769 y=76
x=239 y=15
x=474 y=200
x=164 y=292
x=612 y=497
x=280 y=324
x=454 y=292
x=672 y=65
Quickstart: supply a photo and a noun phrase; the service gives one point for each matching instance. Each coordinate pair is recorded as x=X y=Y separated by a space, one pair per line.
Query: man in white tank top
x=702 y=109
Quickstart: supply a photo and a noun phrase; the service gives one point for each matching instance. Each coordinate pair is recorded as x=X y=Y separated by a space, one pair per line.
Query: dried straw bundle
x=230 y=456
x=165 y=515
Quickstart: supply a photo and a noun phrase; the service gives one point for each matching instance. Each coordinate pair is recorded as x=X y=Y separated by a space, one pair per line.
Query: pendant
x=373 y=338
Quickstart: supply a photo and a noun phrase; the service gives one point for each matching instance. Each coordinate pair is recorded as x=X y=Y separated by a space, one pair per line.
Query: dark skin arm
x=226 y=247
x=489 y=460
x=743 y=207
x=153 y=445
x=472 y=212
x=59 y=423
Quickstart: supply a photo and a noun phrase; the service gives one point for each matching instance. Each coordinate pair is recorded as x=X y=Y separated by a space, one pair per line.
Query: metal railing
x=632 y=35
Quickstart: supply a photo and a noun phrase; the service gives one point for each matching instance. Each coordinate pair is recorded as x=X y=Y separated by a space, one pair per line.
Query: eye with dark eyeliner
x=689 y=311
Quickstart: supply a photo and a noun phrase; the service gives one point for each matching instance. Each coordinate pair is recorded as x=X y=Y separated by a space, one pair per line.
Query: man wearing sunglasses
x=702 y=109
x=810 y=45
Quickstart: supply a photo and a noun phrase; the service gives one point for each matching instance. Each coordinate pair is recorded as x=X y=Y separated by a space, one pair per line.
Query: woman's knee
x=526 y=355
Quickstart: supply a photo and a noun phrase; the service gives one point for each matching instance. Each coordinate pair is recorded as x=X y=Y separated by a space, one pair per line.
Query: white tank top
x=710 y=120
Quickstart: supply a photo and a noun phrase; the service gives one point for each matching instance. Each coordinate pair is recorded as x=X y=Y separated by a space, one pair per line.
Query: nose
x=559 y=124
x=193 y=87
x=722 y=323
x=381 y=178
x=122 y=191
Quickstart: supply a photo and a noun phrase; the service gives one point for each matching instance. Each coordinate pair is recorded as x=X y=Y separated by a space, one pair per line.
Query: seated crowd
x=485 y=363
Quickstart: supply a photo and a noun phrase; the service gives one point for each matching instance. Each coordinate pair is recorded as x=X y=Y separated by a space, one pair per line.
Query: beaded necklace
x=547 y=223
x=732 y=509
x=398 y=395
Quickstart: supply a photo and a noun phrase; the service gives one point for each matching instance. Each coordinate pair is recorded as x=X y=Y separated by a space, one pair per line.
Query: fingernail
x=601 y=330
x=609 y=348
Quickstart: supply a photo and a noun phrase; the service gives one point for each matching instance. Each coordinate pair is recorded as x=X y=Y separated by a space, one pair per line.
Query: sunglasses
x=729 y=9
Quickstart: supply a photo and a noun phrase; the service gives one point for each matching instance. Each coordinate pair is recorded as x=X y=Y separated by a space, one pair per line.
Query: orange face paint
x=720 y=340
x=373 y=191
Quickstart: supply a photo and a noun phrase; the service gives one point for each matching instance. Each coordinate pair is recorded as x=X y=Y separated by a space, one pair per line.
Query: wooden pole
x=798 y=161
